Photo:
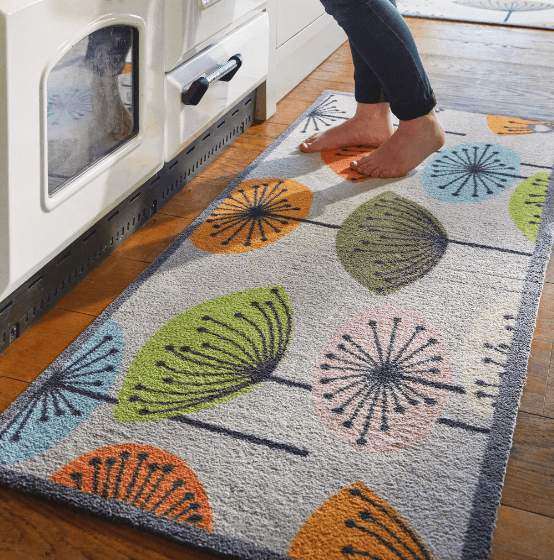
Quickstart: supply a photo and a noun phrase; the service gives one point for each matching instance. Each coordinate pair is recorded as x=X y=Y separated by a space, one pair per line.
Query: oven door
x=82 y=97
x=190 y=23
x=192 y=105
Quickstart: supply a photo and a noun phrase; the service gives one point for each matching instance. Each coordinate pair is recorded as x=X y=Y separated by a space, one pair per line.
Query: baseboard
x=28 y=303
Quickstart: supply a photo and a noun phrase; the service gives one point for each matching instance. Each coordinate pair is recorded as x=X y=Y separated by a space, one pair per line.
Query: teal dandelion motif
x=471 y=172
x=58 y=405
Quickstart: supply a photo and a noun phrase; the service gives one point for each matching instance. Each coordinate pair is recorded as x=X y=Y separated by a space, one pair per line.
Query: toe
x=367 y=169
x=306 y=145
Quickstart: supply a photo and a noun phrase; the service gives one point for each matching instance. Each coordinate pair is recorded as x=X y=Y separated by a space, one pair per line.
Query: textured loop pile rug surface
x=518 y=13
x=323 y=366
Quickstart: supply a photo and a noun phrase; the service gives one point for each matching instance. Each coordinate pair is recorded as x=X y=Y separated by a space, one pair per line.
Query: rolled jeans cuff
x=369 y=93
x=414 y=110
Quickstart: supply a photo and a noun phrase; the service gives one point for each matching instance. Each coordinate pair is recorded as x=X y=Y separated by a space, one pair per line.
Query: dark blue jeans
x=387 y=67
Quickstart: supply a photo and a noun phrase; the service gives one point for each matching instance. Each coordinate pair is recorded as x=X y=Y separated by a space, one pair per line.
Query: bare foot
x=370 y=126
x=413 y=142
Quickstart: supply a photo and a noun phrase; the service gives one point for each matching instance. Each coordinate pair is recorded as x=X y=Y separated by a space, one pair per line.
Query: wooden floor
x=502 y=70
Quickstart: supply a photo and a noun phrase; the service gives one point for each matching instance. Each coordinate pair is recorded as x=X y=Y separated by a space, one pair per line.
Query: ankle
x=369 y=111
x=429 y=117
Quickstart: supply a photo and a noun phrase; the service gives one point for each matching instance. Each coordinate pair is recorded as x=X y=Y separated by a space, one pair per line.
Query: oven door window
x=92 y=102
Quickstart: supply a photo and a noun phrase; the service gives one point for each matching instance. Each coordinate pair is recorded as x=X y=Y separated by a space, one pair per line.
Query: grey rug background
x=518 y=13
x=447 y=490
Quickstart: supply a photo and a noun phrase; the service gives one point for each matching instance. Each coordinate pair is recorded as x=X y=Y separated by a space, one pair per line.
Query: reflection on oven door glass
x=91 y=103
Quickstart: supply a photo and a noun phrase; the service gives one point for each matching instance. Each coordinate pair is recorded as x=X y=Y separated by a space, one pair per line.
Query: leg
x=372 y=123
x=377 y=31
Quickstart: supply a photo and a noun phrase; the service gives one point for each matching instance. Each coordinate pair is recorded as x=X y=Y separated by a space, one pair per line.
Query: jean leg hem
x=366 y=96
x=414 y=110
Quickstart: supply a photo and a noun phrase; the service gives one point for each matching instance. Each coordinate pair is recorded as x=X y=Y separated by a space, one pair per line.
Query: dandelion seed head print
x=469 y=173
x=256 y=213
x=383 y=379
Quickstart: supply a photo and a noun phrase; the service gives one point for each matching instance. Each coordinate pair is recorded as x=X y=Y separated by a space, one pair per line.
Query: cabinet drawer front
x=293 y=16
x=183 y=123
x=190 y=22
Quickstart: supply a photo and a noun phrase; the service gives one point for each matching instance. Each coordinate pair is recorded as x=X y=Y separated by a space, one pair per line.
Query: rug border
x=489 y=488
x=487 y=495
x=478 y=22
x=122 y=513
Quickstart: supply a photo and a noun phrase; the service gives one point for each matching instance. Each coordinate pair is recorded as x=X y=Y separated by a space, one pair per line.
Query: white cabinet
x=294 y=15
x=301 y=36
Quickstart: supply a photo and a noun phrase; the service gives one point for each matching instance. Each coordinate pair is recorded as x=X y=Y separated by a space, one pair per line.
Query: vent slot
x=6 y=306
x=134 y=197
x=35 y=281
x=92 y=234
x=64 y=257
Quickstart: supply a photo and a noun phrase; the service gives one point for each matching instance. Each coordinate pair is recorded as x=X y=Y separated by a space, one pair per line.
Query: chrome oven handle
x=199 y=87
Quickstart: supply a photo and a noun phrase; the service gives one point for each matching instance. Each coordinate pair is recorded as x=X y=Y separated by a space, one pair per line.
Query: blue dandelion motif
x=326 y=113
x=471 y=172
x=63 y=401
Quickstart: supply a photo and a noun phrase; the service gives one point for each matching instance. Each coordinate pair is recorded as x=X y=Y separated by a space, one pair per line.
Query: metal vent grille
x=28 y=303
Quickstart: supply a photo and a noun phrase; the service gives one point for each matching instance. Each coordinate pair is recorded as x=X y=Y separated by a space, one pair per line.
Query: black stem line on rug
x=304 y=220
x=240 y=435
x=498 y=174
x=518 y=176
x=90 y=394
x=539 y=166
x=289 y=383
x=462 y=425
x=478 y=246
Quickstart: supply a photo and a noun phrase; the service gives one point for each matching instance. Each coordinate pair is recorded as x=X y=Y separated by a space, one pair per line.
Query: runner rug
x=323 y=366
x=518 y=13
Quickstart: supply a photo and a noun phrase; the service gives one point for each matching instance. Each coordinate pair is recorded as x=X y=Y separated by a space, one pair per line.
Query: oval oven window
x=92 y=109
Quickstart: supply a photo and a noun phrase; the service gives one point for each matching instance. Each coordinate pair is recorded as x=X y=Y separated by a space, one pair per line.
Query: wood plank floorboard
x=493 y=69
x=534 y=396
x=522 y=535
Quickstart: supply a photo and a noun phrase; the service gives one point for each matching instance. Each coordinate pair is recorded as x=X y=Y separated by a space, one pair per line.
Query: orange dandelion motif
x=508 y=126
x=144 y=477
x=256 y=213
x=356 y=523
x=339 y=161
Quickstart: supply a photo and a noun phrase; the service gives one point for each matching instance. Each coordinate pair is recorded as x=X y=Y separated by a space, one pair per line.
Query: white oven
x=96 y=97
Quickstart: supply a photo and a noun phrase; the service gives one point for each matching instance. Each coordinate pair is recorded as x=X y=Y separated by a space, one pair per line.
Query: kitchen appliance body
x=93 y=97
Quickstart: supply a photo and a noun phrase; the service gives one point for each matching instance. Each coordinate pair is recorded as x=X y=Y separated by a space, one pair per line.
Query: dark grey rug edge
x=474 y=21
x=487 y=496
x=124 y=514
